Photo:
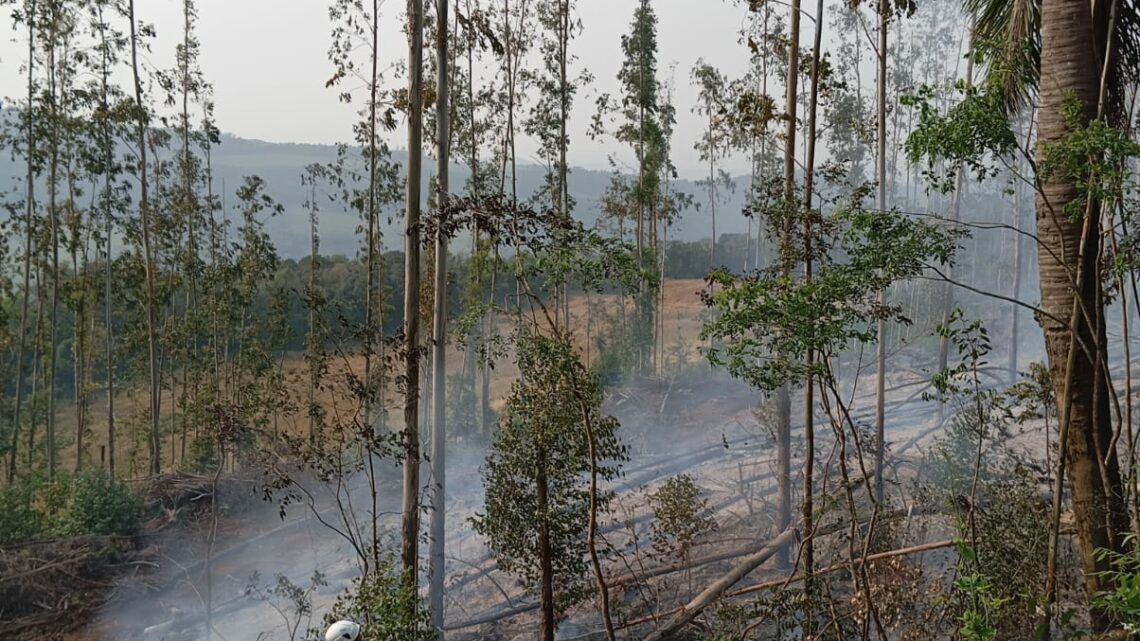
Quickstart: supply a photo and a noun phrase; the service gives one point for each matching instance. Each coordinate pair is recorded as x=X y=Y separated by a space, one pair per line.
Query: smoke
x=698 y=421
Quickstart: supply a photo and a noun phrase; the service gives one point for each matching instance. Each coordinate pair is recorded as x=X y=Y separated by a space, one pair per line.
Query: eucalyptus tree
x=255 y=263
x=673 y=203
x=847 y=112
x=356 y=27
x=536 y=508
x=508 y=29
x=714 y=144
x=150 y=302
x=782 y=398
x=515 y=18
x=642 y=129
x=749 y=118
x=808 y=511
x=439 y=323
x=410 y=527
x=886 y=11
x=28 y=17
x=473 y=130
x=108 y=124
x=58 y=32
x=550 y=112
x=960 y=189
x=185 y=86
x=881 y=54
x=314 y=299
x=8 y=302
x=211 y=205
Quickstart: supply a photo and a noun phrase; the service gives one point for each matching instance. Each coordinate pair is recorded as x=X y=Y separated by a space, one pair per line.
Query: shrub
x=379 y=601
x=86 y=503
x=19 y=521
x=1123 y=600
x=203 y=455
x=102 y=505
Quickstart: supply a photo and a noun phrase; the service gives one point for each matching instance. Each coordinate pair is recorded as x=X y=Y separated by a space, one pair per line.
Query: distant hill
x=281 y=165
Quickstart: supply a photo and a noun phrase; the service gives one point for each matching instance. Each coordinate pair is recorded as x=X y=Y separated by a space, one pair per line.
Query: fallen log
x=1117 y=635
x=776 y=583
x=838 y=567
x=670 y=568
x=689 y=611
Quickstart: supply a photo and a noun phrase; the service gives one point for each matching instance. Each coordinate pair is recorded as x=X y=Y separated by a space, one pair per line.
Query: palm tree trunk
x=1070 y=71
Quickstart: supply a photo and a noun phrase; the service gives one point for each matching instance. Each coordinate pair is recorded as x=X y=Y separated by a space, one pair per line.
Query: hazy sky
x=267 y=61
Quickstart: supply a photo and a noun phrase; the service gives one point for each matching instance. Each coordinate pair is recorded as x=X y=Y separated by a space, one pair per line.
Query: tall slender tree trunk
x=409 y=554
x=373 y=333
x=313 y=345
x=53 y=226
x=960 y=188
x=191 y=366
x=108 y=143
x=79 y=342
x=108 y=308
x=148 y=255
x=783 y=400
x=29 y=226
x=1073 y=46
x=1015 y=310
x=881 y=159
x=763 y=136
x=563 y=141
x=1019 y=264
x=545 y=557
x=479 y=403
x=439 y=328
x=37 y=367
x=712 y=191
x=809 y=384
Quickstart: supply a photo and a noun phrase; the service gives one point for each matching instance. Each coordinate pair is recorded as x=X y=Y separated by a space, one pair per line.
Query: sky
x=268 y=64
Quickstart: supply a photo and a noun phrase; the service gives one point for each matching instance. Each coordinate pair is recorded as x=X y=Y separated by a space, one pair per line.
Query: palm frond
x=1125 y=71
x=1007 y=43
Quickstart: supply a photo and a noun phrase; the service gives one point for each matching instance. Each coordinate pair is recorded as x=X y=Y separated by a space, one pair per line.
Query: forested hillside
x=280 y=164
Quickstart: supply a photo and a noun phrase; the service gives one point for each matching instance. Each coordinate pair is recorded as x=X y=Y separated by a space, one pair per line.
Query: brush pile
x=184 y=499
x=51 y=587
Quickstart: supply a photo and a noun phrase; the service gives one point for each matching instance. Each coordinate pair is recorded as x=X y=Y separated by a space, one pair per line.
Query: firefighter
x=343 y=631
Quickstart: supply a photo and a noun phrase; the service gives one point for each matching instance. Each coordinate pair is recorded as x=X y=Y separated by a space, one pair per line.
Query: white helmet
x=343 y=631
